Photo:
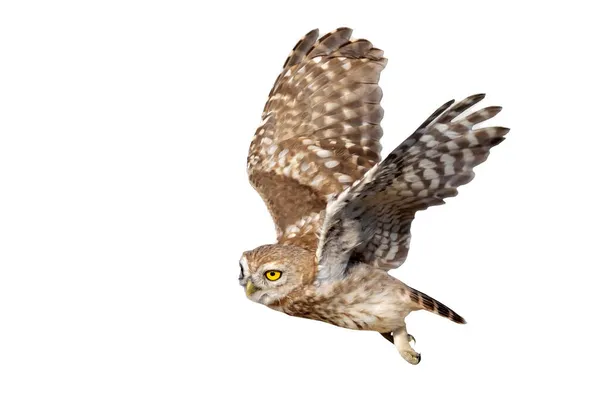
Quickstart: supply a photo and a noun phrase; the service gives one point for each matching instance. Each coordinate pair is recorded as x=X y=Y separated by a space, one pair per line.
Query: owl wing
x=320 y=130
x=370 y=222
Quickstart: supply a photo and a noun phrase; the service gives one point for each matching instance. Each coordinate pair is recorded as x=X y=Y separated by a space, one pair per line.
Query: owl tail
x=425 y=302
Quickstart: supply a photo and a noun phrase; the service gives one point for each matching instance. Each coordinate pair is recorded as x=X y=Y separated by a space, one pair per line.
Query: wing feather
x=370 y=222
x=320 y=130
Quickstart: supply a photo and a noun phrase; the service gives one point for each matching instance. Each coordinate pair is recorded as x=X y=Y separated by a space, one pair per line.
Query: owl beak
x=250 y=288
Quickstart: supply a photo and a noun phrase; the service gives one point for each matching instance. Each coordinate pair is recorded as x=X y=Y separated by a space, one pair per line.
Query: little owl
x=342 y=214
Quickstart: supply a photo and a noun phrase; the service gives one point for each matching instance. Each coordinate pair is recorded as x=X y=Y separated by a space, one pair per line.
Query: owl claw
x=411 y=356
x=402 y=340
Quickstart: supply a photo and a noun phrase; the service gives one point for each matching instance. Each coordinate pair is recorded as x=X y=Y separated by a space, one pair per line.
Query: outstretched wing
x=370 y=222
x=320 y=130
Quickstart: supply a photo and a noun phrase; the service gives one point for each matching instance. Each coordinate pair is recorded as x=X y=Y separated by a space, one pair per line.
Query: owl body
x=342 y=214
x=363 y=301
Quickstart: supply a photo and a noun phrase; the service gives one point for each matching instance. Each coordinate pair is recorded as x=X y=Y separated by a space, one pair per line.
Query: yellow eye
x=273 y=275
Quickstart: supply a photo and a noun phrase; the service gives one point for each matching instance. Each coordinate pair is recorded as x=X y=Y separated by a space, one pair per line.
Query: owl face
x=267 y=278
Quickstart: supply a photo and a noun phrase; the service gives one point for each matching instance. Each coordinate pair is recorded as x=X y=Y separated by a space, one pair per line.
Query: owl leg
x=390 y=338
x=402 y=341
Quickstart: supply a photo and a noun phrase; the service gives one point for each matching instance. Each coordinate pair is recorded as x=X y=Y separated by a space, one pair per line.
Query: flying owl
x=342 y=214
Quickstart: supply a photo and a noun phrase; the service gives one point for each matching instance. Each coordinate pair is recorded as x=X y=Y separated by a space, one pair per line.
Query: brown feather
x=320 y=130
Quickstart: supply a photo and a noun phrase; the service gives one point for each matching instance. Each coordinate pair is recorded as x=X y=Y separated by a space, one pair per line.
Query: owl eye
x=273 y=275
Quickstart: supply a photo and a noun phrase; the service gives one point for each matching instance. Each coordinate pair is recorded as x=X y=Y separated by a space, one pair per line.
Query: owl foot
x=402 y=340
x=411 y=356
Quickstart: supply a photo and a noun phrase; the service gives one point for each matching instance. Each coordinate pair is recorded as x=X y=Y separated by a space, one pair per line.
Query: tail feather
x=428 y=303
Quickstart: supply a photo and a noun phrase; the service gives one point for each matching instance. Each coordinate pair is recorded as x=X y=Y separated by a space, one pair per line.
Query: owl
x=342 y=214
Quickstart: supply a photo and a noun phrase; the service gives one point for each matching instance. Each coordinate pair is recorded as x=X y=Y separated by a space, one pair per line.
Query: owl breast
x=366 y=299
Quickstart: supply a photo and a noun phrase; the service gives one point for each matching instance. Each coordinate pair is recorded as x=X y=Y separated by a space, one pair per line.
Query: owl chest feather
x=366 y=299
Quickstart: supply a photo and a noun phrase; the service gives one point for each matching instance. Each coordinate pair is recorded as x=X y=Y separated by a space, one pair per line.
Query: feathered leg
x=390 y=338
x=402 y=342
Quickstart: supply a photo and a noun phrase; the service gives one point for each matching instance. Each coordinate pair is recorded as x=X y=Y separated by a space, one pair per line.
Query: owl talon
x=411 y=356
x=402 y=340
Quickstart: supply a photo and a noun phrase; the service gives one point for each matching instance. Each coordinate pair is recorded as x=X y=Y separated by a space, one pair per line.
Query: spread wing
x=320 y=130
x=370 y=222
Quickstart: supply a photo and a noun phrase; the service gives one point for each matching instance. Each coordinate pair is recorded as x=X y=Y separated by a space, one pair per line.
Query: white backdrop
x=124 y=203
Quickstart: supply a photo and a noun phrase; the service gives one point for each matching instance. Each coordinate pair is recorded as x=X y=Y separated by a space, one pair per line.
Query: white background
x=124 y=203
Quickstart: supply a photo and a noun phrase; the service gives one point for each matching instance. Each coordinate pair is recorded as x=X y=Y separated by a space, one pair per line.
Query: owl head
x=270 y=273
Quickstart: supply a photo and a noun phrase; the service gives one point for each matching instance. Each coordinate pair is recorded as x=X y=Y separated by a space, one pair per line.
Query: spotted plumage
x=320 y=130
x=342 y=215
